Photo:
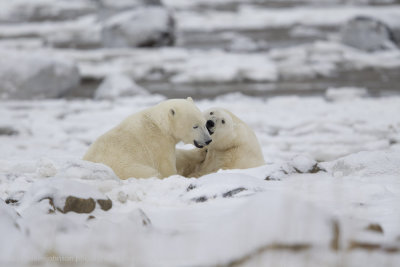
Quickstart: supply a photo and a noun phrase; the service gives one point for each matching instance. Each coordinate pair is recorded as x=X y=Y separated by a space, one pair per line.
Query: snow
x=237 y=67
x=230 y=217
x=367 y=34
x=332 y=171
x=56 y=189
x=118 y=85
x=345 y=93
x=324 y=59
x=26 y=75
x=178 y=65
x=39 y=10
x=249 y=17
x=140 y=27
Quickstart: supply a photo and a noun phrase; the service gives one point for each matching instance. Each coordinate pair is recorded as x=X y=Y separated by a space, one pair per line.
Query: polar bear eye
x=195 y=127
x=223 y=121
x=211 y=113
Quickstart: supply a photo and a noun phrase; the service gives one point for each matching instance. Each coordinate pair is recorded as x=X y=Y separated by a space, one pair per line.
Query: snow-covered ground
x=328 y=196
x=255 y=41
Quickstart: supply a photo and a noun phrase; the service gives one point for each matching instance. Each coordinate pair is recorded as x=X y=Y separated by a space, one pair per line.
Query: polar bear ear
x=172 y=112
x=189 y=99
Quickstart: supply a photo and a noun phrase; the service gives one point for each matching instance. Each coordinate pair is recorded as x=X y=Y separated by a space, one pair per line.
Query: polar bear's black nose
x=210 y=124
x=208 y=142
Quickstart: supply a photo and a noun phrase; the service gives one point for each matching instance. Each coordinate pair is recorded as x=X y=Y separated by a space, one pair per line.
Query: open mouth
x=210 y=125
x=197 y=144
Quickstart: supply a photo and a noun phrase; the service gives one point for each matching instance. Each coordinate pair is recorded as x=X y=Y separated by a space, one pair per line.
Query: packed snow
x=332 y=171
x=328 y=194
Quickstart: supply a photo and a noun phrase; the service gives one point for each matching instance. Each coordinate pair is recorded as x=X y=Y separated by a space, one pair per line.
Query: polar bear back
x=143 y=145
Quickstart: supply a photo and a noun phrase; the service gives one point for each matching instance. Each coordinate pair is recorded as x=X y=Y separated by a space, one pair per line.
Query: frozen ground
x=328 y=196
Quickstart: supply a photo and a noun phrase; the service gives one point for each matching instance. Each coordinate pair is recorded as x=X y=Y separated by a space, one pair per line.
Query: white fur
x=234 y=146
x=143 y=145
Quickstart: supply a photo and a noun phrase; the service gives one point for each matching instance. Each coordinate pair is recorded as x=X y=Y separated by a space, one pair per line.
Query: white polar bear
x=143 y=145
x=234 y=146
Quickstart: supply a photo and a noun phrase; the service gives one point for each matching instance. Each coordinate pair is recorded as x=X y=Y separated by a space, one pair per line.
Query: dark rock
x=78 y=205
x=7 y=130
x=11 y=201
x=391 y=249
x=145 y=220
x=105 y=204
x=233 y=192
x=364 y=245
x=296 y=247
x=65 y=195
x=190 y=187
x=369 y=246
x=269 y=178
x=314 y=169
x=335 y=244
x=52 y=207
x=200 y=199
x=368 y=34
x=15 y=197
x=90 y=217
x=374 y=227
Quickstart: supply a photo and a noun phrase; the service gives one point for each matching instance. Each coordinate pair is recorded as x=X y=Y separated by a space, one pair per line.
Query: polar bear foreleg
x=138 y=171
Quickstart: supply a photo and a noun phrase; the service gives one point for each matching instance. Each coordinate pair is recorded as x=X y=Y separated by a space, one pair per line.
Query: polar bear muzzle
x=203 y=138
x=210 y=126
x=201 y=144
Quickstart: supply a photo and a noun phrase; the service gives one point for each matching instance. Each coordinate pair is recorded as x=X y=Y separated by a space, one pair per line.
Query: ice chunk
x=345 y=93
x=46 y=168
x=118 y=85
x=35 y=75
x=368 y=34
x=149 y=26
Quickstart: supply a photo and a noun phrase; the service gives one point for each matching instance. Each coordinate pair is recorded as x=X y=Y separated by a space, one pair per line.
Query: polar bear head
x=222 y=127
x=187 y=123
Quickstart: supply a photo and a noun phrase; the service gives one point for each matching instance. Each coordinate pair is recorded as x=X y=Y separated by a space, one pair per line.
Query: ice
x=33 y=75
x=118 y=85
x=24 y=11
x=345 y=93
x=324 y=59
x=244 y=44
x=149 y=26
x=250 y=17
x=368 y=164
x=46 y=168
x=177 y=65
x=238 y=67
x=367 y=34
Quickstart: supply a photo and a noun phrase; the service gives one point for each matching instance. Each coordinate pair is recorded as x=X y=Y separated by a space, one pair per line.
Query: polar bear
x=234 y=146
x=143 y=145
